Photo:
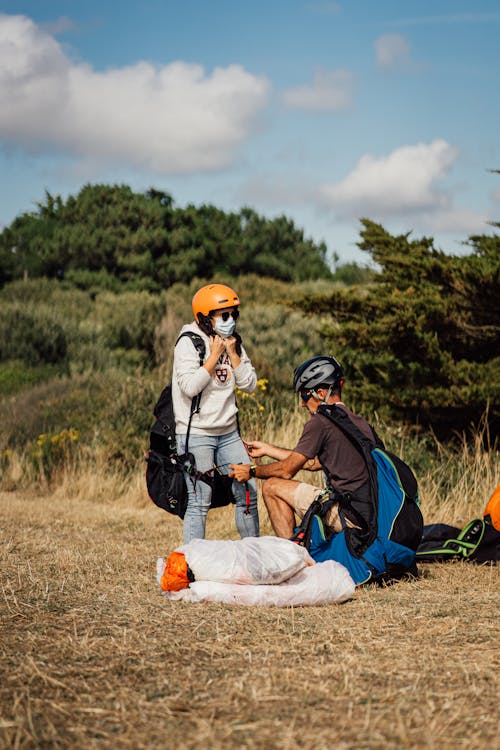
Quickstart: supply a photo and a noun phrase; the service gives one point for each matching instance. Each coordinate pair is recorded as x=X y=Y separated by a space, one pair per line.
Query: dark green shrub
x=92 y=281
x=111 y=412
x=142 y=239
x=128 y=320
x=16 y=375
x=32 y=338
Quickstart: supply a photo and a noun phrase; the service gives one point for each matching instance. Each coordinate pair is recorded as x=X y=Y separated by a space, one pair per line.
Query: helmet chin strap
x=323 y=400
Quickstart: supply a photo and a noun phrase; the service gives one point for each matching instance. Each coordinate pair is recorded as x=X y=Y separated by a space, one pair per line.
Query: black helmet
x=318 y=371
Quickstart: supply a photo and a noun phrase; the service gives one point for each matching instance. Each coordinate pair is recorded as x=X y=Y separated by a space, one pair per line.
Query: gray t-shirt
x=341 y=461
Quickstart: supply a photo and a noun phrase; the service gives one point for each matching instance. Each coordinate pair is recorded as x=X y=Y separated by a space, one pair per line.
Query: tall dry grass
x=454 y=485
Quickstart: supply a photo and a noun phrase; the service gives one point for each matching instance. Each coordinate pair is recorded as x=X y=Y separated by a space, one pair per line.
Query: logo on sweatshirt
x=223 y=372
x=222 y=375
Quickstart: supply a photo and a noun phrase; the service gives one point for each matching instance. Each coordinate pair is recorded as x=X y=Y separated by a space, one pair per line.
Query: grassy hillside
x=87 y=411
x=80 y=371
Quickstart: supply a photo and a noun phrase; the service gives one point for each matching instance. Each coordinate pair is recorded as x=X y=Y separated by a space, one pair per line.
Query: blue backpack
x=386 y=509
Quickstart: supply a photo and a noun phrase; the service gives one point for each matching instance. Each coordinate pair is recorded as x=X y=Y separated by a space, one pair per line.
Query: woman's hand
x=230 y=344
x=217 y=347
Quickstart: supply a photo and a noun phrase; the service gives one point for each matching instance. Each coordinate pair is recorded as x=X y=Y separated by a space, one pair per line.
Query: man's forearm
x=279 y=469
x=285 y=469
x=279 y=454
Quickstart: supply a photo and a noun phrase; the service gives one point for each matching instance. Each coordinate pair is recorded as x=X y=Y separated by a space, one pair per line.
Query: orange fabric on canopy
x=175 y=575
x=493 y=508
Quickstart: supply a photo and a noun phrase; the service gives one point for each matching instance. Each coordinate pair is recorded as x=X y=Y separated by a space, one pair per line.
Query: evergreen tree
x=422 y=341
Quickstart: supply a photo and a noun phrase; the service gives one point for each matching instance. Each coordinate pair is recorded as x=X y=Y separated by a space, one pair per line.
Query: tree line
x=108 y=236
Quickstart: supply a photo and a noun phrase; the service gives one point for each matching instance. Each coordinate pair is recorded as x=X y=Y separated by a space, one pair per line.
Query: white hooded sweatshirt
x=217 y=415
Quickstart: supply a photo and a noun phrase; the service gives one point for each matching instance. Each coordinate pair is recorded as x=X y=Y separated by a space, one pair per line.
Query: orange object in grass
x=175 y=575
x=493 y=508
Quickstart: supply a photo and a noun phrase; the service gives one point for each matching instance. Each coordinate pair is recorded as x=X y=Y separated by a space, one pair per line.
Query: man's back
x=341 y=460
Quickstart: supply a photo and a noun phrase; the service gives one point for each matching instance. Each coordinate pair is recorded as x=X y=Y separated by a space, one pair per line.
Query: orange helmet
x=213 y=297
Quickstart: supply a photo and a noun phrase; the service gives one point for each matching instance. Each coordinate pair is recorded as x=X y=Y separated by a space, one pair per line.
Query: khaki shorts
x=304 y=496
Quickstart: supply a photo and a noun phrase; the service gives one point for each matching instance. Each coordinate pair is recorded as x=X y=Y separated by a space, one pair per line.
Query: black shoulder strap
x=343 y=421
x=198 y=342
x=358 y=540
x=360 y=441
x=201 y=349
x=365 y=446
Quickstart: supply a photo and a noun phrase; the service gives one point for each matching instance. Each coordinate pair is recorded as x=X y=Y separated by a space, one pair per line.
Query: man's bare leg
x=278 y=496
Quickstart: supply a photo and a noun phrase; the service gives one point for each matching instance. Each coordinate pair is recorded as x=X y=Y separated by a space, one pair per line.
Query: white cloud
x=170 y=119
x=403 y=188
x=456 y=220
x=402 y=182
x=330 y=91
x=392 y=51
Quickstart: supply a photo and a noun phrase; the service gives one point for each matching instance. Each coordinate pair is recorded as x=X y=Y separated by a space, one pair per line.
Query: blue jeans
x=220 y=450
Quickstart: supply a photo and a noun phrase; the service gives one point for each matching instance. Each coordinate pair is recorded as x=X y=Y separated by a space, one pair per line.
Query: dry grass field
x=92 y=656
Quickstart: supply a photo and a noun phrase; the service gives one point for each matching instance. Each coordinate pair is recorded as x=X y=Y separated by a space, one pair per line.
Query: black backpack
x=477 y=542
x=165 y=477
x=385 y=509
x=364 y=511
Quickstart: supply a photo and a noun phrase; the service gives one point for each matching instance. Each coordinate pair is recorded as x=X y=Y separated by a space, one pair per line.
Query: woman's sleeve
x=191 y=377
x=244 y=375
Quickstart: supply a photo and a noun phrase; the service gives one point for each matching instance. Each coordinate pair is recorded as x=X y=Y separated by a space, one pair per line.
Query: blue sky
x=323 y=111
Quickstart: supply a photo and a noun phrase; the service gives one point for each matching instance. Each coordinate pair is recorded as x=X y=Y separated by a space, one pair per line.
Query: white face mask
x=224 y=328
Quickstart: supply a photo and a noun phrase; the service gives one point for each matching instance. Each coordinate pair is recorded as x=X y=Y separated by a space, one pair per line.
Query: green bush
x=101 y=330
x=129 y=319
x=351 y=274
x=92 y=281
x=29 y=291
x=33 y=338
x=16 y=375
x=112 y=413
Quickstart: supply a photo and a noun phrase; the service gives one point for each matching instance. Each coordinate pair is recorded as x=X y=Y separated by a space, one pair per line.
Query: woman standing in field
x=213 y=436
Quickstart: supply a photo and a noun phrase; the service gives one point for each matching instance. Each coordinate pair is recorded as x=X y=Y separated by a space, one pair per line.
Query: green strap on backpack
x=463 y=545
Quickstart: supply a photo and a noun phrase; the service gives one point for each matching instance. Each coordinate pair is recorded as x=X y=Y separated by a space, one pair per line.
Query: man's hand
x=256 y=448
x=240 y=472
